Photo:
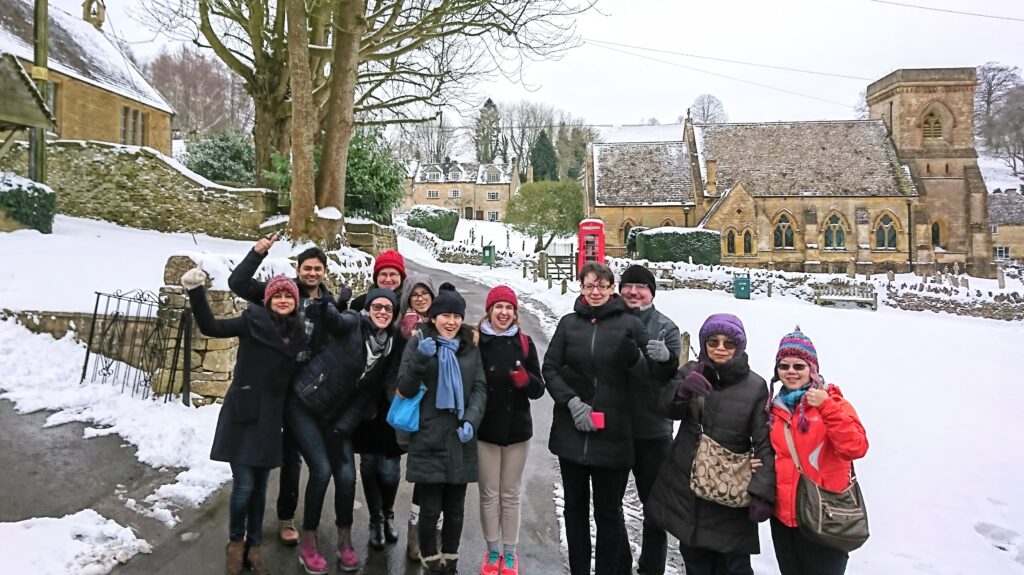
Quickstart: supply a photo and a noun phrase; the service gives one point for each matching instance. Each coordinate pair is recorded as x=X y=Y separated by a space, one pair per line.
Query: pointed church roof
x=23 y=105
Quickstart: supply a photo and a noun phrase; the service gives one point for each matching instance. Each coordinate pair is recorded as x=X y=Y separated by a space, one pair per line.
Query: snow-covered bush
x=227 y=156
x=434 y=219
x=670 y=244
x=28 y=202
x=631 y=238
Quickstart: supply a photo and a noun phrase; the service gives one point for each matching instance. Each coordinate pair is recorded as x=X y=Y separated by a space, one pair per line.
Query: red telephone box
x=591 y=243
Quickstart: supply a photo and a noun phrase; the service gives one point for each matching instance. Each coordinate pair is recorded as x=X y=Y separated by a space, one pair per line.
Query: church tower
x=930 y=117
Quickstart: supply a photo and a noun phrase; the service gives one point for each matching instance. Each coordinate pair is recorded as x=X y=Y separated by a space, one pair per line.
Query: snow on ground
x=942 y=492
x=997 y=174
x=503 y=237
x=85 y=543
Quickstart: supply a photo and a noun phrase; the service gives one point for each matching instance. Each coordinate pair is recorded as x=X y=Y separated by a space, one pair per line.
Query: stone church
x=900 y=191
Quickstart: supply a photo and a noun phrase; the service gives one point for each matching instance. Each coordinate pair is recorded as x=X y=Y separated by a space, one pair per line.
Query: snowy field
x=997 y=174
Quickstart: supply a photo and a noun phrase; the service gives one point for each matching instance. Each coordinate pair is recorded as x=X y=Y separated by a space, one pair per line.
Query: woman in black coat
x=722 y=398
x=513 y=379
x=248 y=436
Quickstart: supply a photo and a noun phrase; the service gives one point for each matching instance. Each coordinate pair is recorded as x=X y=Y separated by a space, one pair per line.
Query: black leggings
x=437 y=498
x=798 y=555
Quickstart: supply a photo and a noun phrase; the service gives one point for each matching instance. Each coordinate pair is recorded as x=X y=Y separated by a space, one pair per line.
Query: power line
x=766 y=86
x=754 y=64
x=1008 y=18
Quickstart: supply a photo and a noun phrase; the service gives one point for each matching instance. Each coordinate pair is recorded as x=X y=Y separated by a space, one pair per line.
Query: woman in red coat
x=828 y=436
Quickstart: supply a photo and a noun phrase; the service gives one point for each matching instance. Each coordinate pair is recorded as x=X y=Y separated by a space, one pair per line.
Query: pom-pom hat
x=447 y=301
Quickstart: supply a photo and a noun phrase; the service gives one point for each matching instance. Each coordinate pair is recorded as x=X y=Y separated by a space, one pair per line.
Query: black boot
x=377 y=533
x=390 y=530
x=388 y=494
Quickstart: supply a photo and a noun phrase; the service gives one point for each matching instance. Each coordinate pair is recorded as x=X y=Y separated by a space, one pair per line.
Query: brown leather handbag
x=835 y=520
x=719 y=475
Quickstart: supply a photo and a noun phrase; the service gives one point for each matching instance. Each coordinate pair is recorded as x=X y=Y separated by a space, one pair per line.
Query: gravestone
x=1001 y=278
x=889 y=275
x=964 y=283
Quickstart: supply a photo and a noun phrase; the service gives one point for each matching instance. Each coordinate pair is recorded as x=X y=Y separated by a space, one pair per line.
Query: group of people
x=316 y=376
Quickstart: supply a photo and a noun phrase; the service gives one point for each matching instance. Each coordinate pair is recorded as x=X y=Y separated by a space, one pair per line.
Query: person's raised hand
x=427 y=347
x=657 y=350
x=816 y=396
x=520 y=378
x=263 y=245
x=193 y=278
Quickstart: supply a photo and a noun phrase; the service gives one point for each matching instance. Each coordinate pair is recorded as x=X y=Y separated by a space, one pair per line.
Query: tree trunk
x=270 y=134
x=301 y=220
x=350 y=25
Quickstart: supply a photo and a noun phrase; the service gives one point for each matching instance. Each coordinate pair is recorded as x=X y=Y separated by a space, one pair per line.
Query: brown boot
x=287 y=533
x=254 y=561
x=233 y=557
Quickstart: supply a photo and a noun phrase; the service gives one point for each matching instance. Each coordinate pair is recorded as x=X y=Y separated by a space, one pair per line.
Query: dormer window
x=433 y=176
x=493 y=177
x=932 y=126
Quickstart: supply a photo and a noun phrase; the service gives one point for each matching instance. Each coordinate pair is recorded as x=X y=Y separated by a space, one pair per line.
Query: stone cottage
x=476 y=191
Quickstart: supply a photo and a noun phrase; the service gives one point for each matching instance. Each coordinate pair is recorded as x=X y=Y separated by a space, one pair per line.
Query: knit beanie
x=799 y=346
x=389 y=259
x=637 y=274
x=378 y=293
x=280 y=283
x=723 y=324
x=447 y=301
x=501 y=293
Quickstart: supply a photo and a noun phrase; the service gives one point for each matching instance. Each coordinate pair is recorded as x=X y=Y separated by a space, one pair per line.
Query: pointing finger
x=661 y=335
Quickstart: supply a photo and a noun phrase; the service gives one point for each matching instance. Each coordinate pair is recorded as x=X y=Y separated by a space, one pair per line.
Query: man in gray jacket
x=652 y=431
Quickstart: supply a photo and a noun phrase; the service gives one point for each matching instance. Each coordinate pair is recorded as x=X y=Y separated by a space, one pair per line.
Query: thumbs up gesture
x=657 y=350
x=519 y=376
x=193 y=278
x=426 y=346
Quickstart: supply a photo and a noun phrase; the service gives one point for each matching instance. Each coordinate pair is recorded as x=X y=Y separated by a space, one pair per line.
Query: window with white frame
x=995 y=229
x=492 y=196
x=454 y=193
x=432 y=176
x=1001 y=252
x=433 y=194
x=493 y=178
x=492 y=216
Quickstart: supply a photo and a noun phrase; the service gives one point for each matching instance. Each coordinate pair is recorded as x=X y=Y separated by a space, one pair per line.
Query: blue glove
x=465 y=432
x=427 y=346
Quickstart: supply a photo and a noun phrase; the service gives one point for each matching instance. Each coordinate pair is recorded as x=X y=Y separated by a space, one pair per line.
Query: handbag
x=835 y=520
x=404 y=413
x=718 y=474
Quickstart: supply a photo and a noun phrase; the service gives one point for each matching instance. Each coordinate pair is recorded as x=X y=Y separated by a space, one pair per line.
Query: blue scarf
x=791 y=397
x=449 y=377
x=486 y=327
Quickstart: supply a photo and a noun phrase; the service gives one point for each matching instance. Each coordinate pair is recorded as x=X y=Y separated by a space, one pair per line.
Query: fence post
x=565 y=286
x=534 y=274
x=524 y=270
x=186 y=375
x=549 y=281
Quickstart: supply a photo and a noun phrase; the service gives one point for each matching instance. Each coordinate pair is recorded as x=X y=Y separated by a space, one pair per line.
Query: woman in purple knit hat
x=717 y=395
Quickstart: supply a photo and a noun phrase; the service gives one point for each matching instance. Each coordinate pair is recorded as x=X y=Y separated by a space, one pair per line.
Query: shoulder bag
x=404 y=413
x=719 y=475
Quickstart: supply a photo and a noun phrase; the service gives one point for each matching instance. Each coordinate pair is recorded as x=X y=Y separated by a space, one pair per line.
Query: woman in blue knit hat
x=719 y=396
x=827 y=435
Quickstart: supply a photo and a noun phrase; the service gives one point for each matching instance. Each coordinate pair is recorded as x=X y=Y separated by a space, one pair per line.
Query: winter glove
x=657 y=351
x=760 y=510
x=520 y=378
x=193 y=278
x=344 y=294
x=628 y=353
x=693 y=384
x=581 y=414
x=465 y=432
x=427 y=346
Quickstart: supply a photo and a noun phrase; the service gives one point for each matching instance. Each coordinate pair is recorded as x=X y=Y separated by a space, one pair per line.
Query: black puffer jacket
x=373 y=434
x=734 y=416
x=507 y=419
x=649 y=421
x=249 y=424
x=581 y=362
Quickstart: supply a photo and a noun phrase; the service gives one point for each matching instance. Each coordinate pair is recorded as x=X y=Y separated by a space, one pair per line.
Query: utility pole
x=37 y=137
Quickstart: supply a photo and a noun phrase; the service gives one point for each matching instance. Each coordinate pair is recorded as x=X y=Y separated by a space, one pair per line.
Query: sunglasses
x=381 y=307
x=715 y=343
x=793 y=366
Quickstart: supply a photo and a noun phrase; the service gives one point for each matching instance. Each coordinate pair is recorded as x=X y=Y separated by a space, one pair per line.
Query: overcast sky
x=861 y=38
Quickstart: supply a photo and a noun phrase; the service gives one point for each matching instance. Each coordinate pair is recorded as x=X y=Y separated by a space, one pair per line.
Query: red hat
x=389 y=259
x=280 y=283
x=501 y=293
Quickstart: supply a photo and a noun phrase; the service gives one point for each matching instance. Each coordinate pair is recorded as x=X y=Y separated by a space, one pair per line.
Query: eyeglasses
x=381 y=307
x=793 y=366
x=419 y=295
x=634 y=287
x=598 y=287
x=716 y=342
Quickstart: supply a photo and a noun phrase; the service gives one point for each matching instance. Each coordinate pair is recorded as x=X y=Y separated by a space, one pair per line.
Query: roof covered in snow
x=642 y=173
x=455 y=172
x=76 y=49
x=1006 y=209
x=834 y=158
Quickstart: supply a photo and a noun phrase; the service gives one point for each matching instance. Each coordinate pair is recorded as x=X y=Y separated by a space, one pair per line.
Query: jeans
x=613 y=556
x=291 y=468
x=649 y=455
x=699 y=561
x=435 y=499
x=798 y=555
x=327 y=454
x=381 y=475
x=248 y=500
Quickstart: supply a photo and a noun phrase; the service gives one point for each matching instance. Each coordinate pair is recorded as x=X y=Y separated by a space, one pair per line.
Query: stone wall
x=370 y=237
x=142 y=188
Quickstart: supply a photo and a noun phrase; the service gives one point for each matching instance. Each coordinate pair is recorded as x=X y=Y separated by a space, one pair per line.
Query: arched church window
x=835 y=233
x=932 y=126
x=625 y=232
x=783 y=233
x=730 y=242
x=748 y=243
x=936 y=234
x=885 y=234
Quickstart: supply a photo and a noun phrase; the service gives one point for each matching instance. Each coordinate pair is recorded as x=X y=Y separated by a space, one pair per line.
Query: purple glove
x=760 y=510
x=693 y=384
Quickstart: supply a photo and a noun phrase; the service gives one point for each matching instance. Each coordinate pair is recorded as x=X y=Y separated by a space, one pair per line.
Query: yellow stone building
x=899 y=191
x=1006 y=221
x=95 y=92
x=476 y=191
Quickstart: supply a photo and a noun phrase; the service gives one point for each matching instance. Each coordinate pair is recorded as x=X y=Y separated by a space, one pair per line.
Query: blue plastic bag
x=404 y=414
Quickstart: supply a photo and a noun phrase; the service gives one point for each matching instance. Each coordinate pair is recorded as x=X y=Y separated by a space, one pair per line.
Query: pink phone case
x=598 y=418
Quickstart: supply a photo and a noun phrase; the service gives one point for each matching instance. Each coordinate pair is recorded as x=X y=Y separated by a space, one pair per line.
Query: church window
x=932 y=126
x=835 y=233
x=885 y=234
x=625 y=231
x=748 y=243
x=783 y=233
x=730 y=242
x=936 y=234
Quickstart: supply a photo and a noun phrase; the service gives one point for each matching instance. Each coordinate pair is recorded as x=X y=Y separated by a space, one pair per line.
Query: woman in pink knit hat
x=513 y=379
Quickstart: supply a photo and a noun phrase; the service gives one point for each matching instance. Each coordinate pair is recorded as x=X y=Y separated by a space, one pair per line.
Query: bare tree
x=1008 y=131
x=427 y=142
x=301 y=221
x=995 y=83
x=521 y=124
x=707 y=109
x=860 y=109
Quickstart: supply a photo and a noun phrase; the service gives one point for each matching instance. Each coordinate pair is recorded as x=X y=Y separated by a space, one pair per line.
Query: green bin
x=741 y=286
x=488 y=256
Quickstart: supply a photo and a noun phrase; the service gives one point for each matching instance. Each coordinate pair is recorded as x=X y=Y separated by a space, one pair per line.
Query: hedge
x=631 y=238
x=439 y=221
x=28 y=202
x=680 y=245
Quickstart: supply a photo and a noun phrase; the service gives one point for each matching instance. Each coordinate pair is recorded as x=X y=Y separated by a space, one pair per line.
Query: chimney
x=712 y=183
x=94 y=12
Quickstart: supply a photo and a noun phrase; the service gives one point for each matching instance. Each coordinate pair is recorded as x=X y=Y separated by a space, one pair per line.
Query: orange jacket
x=833 y=440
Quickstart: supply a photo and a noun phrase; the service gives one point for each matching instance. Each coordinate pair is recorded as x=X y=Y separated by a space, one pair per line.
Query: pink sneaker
x=510 y=564
x=491 y=564
x=309 y=554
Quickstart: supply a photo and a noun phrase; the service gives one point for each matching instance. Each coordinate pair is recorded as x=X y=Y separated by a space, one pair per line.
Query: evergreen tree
x=543 y=159
x=486 y=133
